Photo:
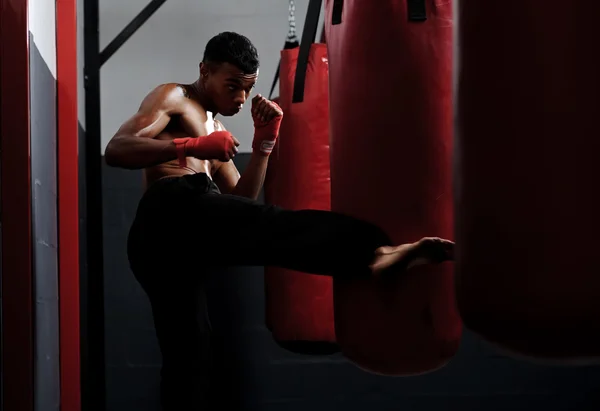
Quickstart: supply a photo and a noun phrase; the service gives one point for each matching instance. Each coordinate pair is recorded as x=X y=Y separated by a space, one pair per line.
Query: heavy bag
x=391 y=140
x=299 y=306
x=527 y=140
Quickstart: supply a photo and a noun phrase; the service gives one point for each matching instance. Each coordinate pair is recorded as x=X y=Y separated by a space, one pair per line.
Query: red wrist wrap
x=180 y=149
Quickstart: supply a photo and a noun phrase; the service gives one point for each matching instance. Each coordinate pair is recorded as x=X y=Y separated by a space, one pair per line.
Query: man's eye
x=232 y=88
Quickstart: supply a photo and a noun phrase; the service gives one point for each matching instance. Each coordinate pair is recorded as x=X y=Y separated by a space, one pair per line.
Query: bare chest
x=192 y=122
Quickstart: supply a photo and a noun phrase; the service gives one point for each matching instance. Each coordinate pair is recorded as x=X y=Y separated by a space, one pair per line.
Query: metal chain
x=291 y=37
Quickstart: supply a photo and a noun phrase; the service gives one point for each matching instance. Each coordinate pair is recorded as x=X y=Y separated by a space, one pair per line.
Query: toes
x=431 y=240
x=437 y=249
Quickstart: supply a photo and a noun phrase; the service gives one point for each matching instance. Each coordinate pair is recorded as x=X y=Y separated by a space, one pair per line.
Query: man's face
x=228 y=87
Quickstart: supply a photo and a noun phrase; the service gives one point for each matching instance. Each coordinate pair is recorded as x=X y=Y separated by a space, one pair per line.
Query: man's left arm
x=249 y=183
x=267 y=117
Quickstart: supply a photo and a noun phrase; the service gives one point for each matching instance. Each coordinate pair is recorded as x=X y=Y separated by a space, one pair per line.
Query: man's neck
x=203 y=99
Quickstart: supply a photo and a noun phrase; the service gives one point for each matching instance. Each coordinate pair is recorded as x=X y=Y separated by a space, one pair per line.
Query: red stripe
x=68 y=204
x=15 y=168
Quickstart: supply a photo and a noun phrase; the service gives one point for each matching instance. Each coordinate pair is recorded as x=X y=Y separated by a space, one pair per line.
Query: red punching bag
x=391 y=141
x=299 y=307
x=527 y=141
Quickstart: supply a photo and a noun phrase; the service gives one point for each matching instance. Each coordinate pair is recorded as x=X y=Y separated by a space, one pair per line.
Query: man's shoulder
x=170 y=96
x=171 y=90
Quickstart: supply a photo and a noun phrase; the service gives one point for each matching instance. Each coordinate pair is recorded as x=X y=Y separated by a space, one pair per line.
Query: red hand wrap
x=265 y=134
x=217 y=145
x=180 y=148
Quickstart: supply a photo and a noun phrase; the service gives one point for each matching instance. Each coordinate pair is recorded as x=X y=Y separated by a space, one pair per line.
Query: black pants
x=185 y=227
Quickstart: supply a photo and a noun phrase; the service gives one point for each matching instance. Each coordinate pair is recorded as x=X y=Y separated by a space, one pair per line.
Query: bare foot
x=428 y=250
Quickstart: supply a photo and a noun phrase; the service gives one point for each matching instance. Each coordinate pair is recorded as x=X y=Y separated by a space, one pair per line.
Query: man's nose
x=240 y=98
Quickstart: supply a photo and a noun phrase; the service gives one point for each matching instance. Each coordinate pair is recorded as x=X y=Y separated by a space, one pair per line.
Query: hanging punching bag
x=391 y=138
x=527 y=141
x=299 y=307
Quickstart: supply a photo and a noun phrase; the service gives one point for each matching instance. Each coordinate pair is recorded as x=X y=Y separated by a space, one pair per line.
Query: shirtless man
x=198 y=213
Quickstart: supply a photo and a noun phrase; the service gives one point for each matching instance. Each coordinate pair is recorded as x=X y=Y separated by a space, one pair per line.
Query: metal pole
x=92 y=348
x=93 y=363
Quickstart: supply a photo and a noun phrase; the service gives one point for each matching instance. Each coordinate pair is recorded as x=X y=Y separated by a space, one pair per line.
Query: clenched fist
x=220 y=145
x=267 y=117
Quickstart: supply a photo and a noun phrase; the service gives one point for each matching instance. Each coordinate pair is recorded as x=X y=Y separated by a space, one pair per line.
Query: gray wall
x=169 y=47
x=42 y=72
x=44 y=231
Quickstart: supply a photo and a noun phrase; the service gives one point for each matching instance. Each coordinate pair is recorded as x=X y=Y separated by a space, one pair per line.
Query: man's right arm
x=134 y=146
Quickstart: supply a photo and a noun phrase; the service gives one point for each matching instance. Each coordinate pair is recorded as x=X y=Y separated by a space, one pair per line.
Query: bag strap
x=336 y=12
x=309 y=34
x=286 y=46
x=417 y=11
x=291 y=42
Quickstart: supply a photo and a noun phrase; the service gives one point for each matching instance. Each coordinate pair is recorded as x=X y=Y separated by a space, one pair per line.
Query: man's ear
x=204 y=69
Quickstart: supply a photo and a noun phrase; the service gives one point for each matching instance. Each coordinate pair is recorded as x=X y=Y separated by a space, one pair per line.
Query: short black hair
x=232 y=48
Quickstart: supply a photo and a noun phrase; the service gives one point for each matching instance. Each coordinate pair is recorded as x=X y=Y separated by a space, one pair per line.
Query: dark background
x=256 y=374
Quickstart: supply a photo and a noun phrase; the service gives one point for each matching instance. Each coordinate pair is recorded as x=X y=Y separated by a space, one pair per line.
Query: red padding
x=299 y=307
x=526 y=152
x=391 y=139
x=15 y=197
x=68 y=204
